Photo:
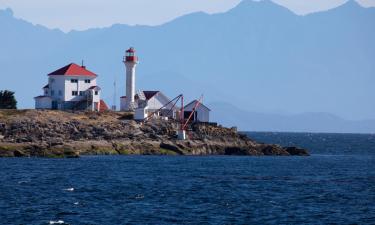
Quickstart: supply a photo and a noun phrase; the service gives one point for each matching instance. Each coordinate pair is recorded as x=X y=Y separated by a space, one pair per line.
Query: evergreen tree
x=7 y=100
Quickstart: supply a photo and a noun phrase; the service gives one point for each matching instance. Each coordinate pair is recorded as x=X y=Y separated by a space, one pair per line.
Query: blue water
x=337 y=186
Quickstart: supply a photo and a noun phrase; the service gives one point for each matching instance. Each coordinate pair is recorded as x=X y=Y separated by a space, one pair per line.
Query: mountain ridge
x=284 y=62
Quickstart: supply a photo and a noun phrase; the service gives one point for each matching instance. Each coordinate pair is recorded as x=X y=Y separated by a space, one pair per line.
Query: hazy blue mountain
x=258 y=56
x=302 y=122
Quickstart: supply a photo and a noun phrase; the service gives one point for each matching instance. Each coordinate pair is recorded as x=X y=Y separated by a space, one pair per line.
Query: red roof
x=103 y=106
x=73 y=70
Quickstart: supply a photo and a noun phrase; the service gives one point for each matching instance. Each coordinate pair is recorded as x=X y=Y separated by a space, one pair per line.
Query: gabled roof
x=150 y=94
x=73 y=70
x=47 y=86
x=194 y=102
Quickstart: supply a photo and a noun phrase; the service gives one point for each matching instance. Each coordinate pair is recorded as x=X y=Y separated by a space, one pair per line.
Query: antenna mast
x=114 y=95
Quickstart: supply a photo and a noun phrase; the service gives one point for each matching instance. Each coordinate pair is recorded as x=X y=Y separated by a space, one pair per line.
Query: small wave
x=56 y=222
x=23 y=182
x=68 y=189
x=76 y=203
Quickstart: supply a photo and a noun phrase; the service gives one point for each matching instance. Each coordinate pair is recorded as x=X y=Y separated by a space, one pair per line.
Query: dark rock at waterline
x=235 y=151
x=297 y=151
x=170 y=146
x=18 y=153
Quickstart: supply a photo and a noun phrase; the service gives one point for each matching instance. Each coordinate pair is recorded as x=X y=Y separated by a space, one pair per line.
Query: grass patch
x=124 y=152
x=164 y=151
x=5 y=113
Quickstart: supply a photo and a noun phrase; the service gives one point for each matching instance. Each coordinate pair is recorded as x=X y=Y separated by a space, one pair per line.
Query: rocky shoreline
x=35 y=133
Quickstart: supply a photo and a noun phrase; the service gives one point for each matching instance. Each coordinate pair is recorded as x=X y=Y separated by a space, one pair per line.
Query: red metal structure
x=192 y=113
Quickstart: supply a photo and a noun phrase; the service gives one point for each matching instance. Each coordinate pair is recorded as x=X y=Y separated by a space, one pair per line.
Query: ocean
x=336 y=185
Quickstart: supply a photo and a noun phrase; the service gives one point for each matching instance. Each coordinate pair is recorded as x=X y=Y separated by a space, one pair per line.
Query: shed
x=202 y=112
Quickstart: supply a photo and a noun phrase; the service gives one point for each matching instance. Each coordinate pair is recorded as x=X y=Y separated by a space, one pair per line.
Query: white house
x=201 y=114
x=148 y=102
x=71 y=87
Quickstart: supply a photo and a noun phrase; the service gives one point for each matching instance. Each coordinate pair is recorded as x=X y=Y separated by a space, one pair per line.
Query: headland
x=48 y=133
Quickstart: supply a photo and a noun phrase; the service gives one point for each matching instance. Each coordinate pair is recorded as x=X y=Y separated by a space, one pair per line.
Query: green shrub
x=7 y=100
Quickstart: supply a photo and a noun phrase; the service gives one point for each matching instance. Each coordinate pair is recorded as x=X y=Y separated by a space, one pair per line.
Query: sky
x=84 y=14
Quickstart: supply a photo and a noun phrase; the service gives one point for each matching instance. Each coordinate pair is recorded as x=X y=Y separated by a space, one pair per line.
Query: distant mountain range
x=257 y=57
x=302 y=122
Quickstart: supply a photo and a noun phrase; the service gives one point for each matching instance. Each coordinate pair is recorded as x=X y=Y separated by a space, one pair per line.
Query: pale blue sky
x=83 y=14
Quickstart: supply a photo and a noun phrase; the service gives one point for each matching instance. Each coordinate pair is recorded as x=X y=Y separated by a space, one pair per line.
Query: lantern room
x=130 y=55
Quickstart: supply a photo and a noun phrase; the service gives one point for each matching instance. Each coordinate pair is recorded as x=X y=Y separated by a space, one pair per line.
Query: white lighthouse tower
x=131 y=61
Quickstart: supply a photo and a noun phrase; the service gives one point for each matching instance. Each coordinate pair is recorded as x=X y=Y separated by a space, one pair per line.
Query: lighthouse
x=130 y=60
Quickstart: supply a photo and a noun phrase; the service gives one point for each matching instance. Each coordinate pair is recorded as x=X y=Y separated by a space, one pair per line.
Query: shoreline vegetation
x=47 y=133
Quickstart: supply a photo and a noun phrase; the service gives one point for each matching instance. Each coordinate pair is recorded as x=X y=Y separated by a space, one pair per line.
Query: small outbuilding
x=201 y=114
x=149 y=103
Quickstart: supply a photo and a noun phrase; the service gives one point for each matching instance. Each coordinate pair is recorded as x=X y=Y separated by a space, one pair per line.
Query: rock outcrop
x=25 y=133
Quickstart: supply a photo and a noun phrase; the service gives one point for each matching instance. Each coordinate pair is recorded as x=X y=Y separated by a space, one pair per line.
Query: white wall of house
x=60 y=89
x=46 y=92
x=43 y=102
x=96 y=95
x=158 y=101
x=155 y=102
x=203 y=113
x=79 y=87
x=56 y=87
x=140 y=113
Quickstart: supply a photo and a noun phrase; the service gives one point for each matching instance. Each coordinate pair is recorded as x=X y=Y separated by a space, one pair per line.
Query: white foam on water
x=56 y=222
x=76 y=203
x=69 y=189
x=139 y=196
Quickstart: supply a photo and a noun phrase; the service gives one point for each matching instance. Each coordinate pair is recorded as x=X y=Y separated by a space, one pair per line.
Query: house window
x=46 y=92
x=60 y=92
x=73 y=81
x=87 y=81
x=96 y=92
x=74 y=93
x=81 y=93
x=52 y=92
